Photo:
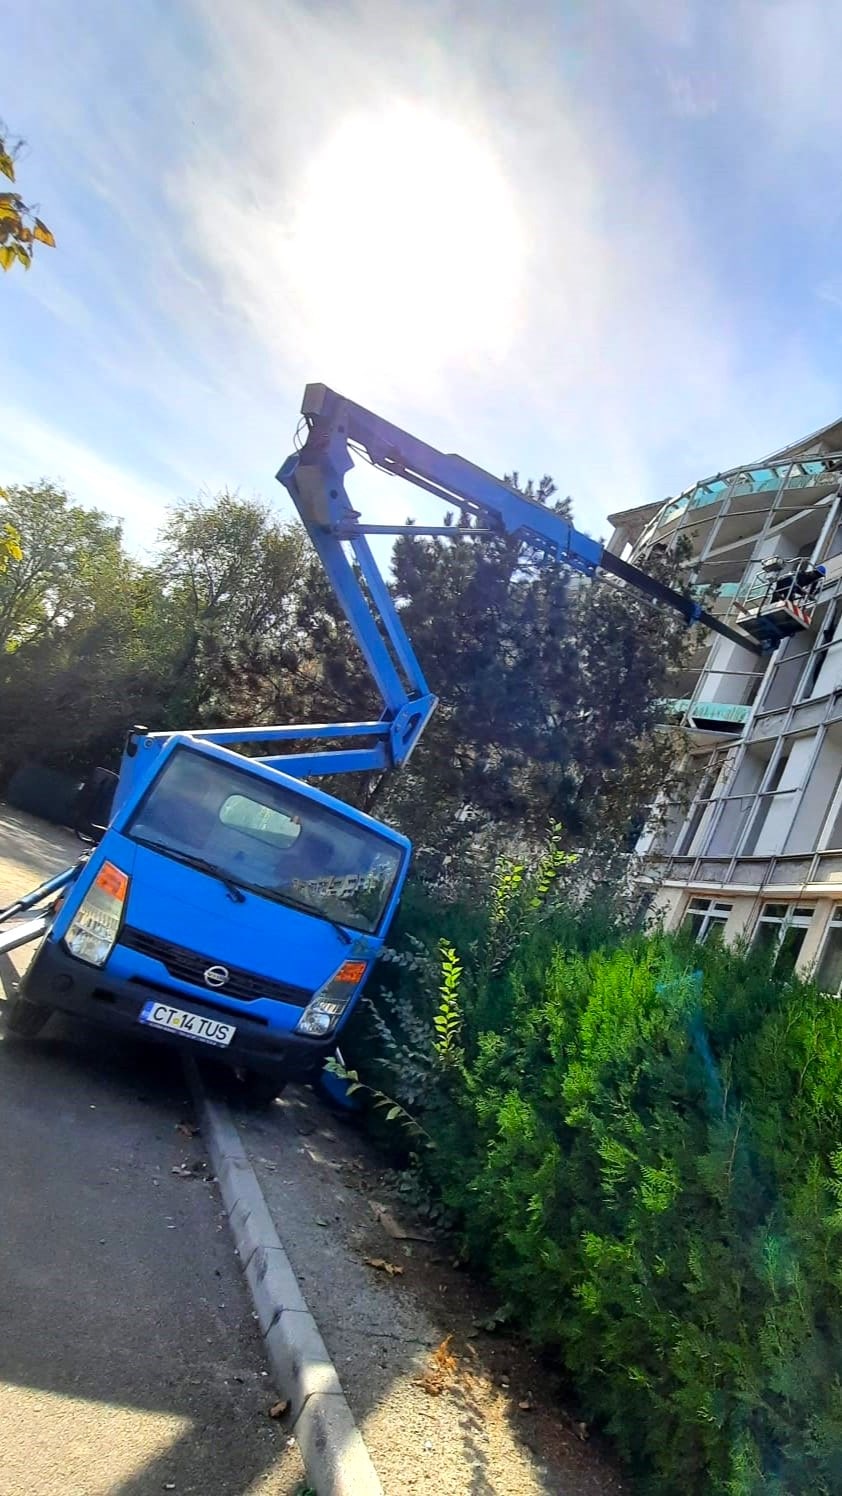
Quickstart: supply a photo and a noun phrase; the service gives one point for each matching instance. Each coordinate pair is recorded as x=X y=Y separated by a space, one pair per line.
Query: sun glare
x=407 y=244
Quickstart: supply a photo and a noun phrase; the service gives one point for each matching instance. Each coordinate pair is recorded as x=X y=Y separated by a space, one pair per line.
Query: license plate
x=190 y=1025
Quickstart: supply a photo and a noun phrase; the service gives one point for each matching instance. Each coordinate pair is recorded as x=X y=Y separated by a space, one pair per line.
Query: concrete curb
x=335 y=1457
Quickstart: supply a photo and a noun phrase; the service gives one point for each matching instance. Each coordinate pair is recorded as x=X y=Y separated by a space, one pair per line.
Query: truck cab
x=227 y=904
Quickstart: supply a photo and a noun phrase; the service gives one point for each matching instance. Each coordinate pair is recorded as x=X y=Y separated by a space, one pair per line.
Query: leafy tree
x=79 y=635
x=548 y=689
x=9 y=540
x=64 y=548
x=548 y=683
x=232 y=577
x=20 y=227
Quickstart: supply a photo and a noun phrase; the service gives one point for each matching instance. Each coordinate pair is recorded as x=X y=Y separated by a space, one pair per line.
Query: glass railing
x=713 y=711
x=765 y=478
x=809 y=474
x=707 y=493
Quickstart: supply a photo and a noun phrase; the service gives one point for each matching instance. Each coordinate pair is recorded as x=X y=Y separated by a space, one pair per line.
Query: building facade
x=754 y=848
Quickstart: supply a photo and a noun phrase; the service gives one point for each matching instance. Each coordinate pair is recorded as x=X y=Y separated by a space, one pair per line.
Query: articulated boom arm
x=315 y=479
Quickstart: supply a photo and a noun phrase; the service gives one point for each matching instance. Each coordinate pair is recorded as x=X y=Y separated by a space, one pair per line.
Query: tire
x=24 y=1019
x=255 y=1090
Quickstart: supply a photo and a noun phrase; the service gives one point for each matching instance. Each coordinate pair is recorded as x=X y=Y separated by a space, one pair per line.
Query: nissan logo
x=216 y=976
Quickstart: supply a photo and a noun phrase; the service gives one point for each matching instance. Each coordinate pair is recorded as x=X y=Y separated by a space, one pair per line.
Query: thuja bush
x=641 y=1141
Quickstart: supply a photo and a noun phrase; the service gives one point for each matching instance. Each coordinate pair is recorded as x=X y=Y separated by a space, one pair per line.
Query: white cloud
x=32 y=449
x=624 y=359
x=229 y=266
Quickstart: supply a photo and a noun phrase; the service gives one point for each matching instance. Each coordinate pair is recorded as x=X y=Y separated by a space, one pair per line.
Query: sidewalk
x=445 y=1409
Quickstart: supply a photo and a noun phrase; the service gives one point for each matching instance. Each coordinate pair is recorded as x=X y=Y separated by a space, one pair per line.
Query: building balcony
x=808 y=873
x=749 y=492
x=706 y=716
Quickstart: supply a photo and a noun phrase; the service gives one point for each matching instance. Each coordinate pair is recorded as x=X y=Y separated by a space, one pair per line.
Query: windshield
x=269 y=839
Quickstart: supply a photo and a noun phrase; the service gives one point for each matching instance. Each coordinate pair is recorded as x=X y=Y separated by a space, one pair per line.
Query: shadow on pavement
x=129 y=1359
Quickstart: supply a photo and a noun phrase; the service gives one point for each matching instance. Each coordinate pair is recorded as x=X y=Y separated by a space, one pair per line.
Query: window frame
x=795 y=916
x=834 y=923
x=714 y=914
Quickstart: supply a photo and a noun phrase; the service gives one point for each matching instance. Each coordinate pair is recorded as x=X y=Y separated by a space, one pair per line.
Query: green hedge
x=643 y=1144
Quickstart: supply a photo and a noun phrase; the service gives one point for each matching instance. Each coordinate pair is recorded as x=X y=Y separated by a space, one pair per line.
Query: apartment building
x=756 y=850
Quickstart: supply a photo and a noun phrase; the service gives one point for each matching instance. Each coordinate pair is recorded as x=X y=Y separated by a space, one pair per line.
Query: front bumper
x=57 y=980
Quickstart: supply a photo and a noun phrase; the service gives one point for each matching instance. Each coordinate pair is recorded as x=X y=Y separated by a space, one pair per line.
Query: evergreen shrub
x=641 y=1141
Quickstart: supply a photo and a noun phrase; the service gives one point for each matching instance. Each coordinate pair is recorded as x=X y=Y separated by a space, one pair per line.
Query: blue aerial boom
x=228 y=900
x=315 y=479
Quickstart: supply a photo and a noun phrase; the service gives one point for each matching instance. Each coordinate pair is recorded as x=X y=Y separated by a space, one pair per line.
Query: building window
x=705 y=917
x=781 y=930
x=703 y=798
x=829 y=971
x=826 y=634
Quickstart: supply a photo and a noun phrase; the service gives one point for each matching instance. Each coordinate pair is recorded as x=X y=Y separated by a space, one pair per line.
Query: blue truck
x=228 y=901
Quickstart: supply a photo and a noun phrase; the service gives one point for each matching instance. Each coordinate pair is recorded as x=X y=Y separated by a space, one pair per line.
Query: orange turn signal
x=112 y=881
x=351 y=971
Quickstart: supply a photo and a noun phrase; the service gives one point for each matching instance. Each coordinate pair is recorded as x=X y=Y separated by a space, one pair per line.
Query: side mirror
x=92 y=810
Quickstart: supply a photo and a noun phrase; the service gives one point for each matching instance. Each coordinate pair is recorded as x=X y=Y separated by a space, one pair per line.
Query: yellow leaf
x=13 y=549
x=7 y=165
x=7 y=255
x=42 y=234
x=23 y=255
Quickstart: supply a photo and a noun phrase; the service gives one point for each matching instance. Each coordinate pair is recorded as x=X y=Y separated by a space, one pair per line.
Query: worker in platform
x=798 y=583
x=808 y=580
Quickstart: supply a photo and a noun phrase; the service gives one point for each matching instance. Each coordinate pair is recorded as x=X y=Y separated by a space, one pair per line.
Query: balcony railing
x=713 y=711
x=739 y=482
x=819 y=871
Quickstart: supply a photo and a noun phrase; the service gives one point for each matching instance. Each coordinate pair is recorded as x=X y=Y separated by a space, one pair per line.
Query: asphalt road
x=129 y=1359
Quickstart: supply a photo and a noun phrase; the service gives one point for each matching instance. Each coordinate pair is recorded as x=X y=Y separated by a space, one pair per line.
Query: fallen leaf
x=189 y=1129
x=188 y=1171
x=279 y=1409
x=525 y=1405
x=443 y=1366
x=394 y=1228
x=320 y=1221
x=392 y=1268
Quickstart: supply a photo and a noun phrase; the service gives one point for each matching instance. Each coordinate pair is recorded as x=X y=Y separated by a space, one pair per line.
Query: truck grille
x=189 y=966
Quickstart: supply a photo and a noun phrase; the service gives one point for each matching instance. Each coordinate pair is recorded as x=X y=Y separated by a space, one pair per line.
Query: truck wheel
x=23 y=1018
x=254 y=1090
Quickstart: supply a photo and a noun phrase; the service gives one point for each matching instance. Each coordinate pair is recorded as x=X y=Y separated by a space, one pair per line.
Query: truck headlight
x=323 y=1012
x=96 y=924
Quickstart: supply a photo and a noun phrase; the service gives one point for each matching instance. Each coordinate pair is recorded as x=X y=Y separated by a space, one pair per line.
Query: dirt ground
x=445 y=1407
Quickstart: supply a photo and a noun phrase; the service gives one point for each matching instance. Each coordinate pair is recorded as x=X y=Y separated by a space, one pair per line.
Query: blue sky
x=596 y=239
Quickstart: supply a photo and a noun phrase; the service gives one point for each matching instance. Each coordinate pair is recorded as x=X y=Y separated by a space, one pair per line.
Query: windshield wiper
x=233 y=889
x=284 y=898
